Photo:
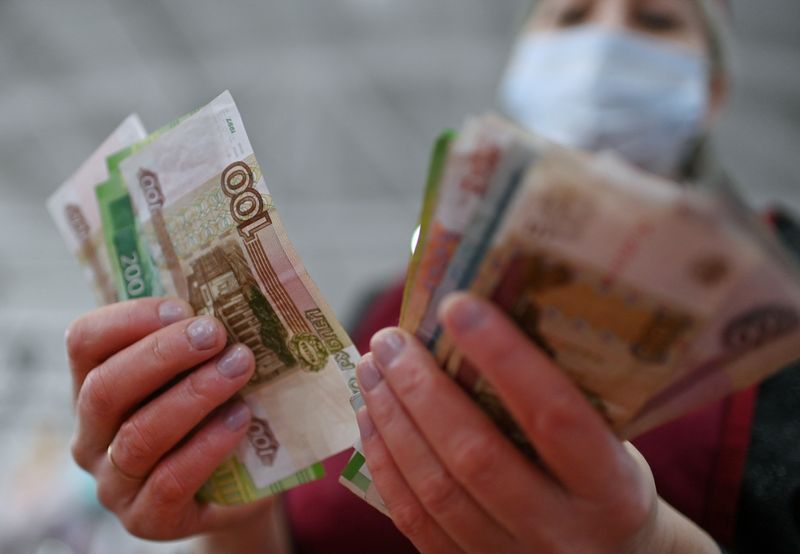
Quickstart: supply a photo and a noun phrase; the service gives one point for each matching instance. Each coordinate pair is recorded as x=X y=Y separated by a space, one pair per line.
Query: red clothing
x=697 y=461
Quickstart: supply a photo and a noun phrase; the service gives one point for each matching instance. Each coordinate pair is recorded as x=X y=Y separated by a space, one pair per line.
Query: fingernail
x=368 y=374
x=365 y=426
x=387 y=345
x=172 y=311
x=202 y=333
x=237 y=416
x=234 y=362
x=463 y=311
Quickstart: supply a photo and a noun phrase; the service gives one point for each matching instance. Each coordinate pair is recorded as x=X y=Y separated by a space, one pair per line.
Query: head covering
x=717 y=24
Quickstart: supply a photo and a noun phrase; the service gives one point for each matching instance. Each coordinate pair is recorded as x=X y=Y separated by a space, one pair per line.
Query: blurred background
x=342 y=100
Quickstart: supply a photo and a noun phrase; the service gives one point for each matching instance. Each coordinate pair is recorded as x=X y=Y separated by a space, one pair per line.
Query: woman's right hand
x=153 y=390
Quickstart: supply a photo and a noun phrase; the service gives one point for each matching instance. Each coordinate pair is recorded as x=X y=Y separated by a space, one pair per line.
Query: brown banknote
x=208 y=222
x=642 y=292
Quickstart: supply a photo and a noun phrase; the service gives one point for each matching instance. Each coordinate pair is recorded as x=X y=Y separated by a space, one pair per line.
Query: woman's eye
x=659 y=22
x=573 y=16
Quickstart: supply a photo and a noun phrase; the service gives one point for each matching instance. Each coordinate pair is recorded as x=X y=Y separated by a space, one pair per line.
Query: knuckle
x=474 y=458
x=438 y=491
x=155 y=525
x=383 y=413
x=414 y=378
x=75 y=339
x=159 y=350
x=201 y=391
x=506 y=354
x=410 y=520
x=378 y=464
x=106 y=495
x=79 y=453
x=135 y=528
x=141 y=527
x=94 y=397
x=134 y=310
x=132 y=448
x=553 y=417
x=168 y=489
x=632 y=508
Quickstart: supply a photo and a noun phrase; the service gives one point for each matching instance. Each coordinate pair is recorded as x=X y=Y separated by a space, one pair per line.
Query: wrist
x=266 y=531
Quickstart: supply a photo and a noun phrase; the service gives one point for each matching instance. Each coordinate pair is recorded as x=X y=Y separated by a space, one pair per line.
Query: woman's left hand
x=453 y=483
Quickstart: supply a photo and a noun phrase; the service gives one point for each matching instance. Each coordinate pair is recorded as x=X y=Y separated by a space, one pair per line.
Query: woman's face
x=679 y=22
x=633 y=81
x=676 y=21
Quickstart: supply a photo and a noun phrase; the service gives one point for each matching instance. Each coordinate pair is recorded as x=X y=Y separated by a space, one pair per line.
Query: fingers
x=165 y=506
x=159 y=425
x=119 y=384
x=94 y=337
x=405 y=509
x=569 y=435
x=494 y=472
x=439 y=493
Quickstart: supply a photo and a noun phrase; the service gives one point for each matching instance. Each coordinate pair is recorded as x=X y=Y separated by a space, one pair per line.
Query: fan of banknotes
x=653 y=297
x=186 y=212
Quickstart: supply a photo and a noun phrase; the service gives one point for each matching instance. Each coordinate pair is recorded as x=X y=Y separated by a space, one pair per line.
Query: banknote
x=430 y=200
x=517 y=153
x=628 y=283
x=471 y=160
x=208 y=223
x=491 y=189
x=133 y=271
x=460 y=172
x=653 y=298
x=357 y=478
x=75 y=211
x=756 y=331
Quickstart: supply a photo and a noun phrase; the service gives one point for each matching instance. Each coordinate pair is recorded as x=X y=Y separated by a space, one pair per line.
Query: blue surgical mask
x=598 y=89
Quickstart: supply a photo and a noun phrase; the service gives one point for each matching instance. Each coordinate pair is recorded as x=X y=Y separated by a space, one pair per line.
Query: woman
x=450 y=479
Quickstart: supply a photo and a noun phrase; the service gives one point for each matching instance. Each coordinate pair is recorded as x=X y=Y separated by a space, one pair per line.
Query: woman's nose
x=613 y=14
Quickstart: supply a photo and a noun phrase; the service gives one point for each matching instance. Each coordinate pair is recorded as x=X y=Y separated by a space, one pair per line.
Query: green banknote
x=134 y=274
x=429 y=201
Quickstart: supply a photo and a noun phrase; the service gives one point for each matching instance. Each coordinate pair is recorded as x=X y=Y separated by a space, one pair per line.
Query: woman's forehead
x=687 y=15
x=681 y=22
x=689 y=5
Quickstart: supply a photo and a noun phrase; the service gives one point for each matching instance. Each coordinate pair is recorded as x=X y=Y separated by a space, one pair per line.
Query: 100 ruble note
x=208 y=223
